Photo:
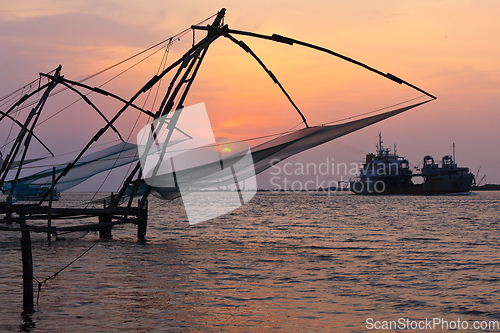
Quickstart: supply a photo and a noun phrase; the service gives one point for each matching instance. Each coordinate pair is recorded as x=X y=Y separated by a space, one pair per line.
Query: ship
x=386 y=173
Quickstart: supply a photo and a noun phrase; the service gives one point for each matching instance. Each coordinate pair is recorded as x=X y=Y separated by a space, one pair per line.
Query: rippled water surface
x=289 y=262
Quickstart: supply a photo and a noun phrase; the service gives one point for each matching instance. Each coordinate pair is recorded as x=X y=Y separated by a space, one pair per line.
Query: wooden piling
x=105 y=232
x=143 y=221
x=51 y=198
x=21 y=213
x=27 y=258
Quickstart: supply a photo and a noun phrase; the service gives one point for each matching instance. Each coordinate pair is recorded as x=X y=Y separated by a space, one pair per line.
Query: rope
x=133 y=127
x=62 y=269
x=102 y=85
x=177 y=36
x=20 y=90
x=370 y=112
x=162 y=66
x=40 y=283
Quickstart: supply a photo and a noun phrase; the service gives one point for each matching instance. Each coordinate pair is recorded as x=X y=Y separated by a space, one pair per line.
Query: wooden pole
x=27 y=258
x=104 y=232
x=52 y=189
x=143 y=221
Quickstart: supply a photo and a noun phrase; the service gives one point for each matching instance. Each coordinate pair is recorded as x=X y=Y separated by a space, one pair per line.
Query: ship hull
x=448 y=184
x=435 y=185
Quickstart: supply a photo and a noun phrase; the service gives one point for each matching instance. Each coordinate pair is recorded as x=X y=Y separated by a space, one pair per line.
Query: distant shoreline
x=331 y=189
x=487 y=187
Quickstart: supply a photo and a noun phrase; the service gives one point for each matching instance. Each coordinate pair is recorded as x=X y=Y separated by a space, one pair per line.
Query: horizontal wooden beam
x=84 y=227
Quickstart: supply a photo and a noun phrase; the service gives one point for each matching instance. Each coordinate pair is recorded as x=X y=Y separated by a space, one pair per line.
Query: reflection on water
x=286 y=261
x=28 y=324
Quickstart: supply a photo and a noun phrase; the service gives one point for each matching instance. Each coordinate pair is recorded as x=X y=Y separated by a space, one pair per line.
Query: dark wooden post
x=51 y=198
x=143 y=220
x=105 y=232
x=27 y=258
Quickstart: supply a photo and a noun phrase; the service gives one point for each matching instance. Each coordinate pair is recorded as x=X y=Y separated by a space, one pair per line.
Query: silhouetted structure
x=118 y=208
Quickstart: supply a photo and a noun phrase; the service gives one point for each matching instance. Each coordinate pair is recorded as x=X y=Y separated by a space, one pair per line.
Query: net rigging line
x=290 y=130
x=176 y=36
x=18 y=92
x=161 y=67
x=4 y=147
x=66 y=163
x=95 y=243
x=373 y=111
x=79 y=99
x=169 y=40
x=280 y=134
x=15 y=113
x=284 y=132
x=63 y=268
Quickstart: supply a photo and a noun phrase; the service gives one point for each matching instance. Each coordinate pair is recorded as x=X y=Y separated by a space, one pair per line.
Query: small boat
x=388 y=173
x=31 y=192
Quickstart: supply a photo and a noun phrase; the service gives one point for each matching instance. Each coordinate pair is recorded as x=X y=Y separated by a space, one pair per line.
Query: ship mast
x=380 y=147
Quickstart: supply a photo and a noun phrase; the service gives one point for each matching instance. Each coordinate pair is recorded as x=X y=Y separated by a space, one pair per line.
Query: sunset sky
x=448 y=48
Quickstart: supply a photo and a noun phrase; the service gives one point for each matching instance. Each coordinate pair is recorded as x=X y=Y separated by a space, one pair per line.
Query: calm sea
x=285 y=262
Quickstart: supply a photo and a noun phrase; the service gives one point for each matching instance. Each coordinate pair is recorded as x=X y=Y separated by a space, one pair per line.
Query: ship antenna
x=454 y=161
x=380 y=142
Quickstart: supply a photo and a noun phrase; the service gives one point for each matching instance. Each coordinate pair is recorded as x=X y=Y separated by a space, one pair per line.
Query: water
x=291 y=262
